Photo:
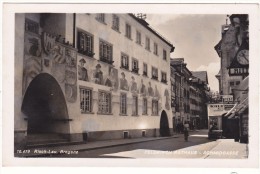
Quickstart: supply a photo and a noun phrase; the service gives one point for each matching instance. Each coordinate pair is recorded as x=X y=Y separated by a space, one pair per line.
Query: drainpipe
x=74 y=29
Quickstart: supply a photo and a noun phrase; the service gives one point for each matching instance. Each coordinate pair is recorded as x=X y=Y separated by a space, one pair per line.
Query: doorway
x=164 y=125
x=45 y=106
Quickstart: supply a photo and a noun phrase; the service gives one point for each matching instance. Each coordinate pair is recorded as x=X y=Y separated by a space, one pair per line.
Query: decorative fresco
x=134 y=85
x=123 y=82
x=112 y=79
x=32 y=59
x=44 y=55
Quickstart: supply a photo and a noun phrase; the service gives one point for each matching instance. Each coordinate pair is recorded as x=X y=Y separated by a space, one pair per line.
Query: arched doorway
x=164 y=125
x=45 y=106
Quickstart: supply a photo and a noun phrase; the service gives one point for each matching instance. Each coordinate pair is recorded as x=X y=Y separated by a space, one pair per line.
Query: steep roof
x=202 y=75
x=148 y=27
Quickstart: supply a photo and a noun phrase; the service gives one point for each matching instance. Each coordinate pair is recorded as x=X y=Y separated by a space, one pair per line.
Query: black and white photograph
x=139 y=84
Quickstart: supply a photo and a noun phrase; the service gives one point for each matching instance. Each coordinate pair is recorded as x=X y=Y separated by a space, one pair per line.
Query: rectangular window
x=164 y=77
x=155 y=48
x=135 y=106
x=124 y=61
x=144 y=106
x=138 y=38
x=85 y=100
x=85 y=43
x=135 y=67
x=31 y=26
x=164 y=55
x=115 y=23
x=101 y=17
x=147 y=43
x=154 y=107
x=237 y=82
x=145 y=69
x=232 y=83
x=128 y=31
x=105 y=52
x=104 y=102
x=123 y=104
x=154 y=73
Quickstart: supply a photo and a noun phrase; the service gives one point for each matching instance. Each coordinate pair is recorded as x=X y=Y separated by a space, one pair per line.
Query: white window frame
x=128 y=31
x=116 y=22
x=135 y=106
x=104 y=102
x=105 y=50
x=126 y=57
x=101 y=17
x=147 y=43
x=138 y=37
x=86 y=106
x=87 y=43
x=145 y=106
x=155 y=48
x=123 y=104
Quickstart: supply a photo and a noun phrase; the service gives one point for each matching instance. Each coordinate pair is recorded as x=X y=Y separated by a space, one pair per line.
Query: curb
x=99 y=147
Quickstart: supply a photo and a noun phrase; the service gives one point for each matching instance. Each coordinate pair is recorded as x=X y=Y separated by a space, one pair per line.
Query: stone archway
x=45 y=106
x=164 y=125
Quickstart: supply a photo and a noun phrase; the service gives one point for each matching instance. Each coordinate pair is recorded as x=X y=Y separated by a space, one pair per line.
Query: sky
x=194 y=38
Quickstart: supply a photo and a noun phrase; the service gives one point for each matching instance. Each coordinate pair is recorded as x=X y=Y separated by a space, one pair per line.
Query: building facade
x=233 y=49
x=199 y=98
x=91 y=77
x=181 y=89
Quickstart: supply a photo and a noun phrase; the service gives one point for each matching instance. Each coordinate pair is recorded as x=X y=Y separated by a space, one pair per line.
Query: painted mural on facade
x=44 y=55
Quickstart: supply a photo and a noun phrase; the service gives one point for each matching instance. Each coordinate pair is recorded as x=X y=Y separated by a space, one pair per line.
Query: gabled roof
x=202 y=75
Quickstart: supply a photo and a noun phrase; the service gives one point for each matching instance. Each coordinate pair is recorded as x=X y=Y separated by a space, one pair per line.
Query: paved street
x=198 y=146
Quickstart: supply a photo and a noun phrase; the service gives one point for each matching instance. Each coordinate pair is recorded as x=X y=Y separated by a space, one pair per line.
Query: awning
x=231 y=111
x=240 y=108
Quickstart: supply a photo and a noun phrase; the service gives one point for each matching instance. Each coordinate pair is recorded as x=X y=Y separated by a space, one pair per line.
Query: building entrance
x=164 y=125
x=45 y=106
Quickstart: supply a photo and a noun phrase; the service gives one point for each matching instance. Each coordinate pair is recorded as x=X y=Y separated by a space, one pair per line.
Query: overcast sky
x=194 y=38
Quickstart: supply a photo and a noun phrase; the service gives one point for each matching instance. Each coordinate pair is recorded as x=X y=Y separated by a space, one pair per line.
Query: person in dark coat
x=82 y=71
x=98 y=75
x=123 y=82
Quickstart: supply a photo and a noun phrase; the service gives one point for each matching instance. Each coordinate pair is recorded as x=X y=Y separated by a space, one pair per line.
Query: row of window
x=128 y=33
x=135 y=68
x=85 y=46
x=105 y=107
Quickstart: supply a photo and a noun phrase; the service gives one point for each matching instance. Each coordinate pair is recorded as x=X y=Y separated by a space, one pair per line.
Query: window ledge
x=101 y=21
x=155 y=79
x=116 y=30
x=83 y=55
x=87 y=113
x=106 y=63
x=125 y=69
x=154 y=115
x=140 y=44
x=145 y=75
x=129 y=38
x=123 y=115
x=99 y=113
x=145 y=114
x=135 y=115
x=135 y=73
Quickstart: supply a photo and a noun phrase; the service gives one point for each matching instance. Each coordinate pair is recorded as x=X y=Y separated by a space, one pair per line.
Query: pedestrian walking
x=186 y=131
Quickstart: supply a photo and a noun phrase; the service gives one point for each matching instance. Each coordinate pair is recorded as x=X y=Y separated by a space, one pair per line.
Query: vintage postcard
x=116 y=84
